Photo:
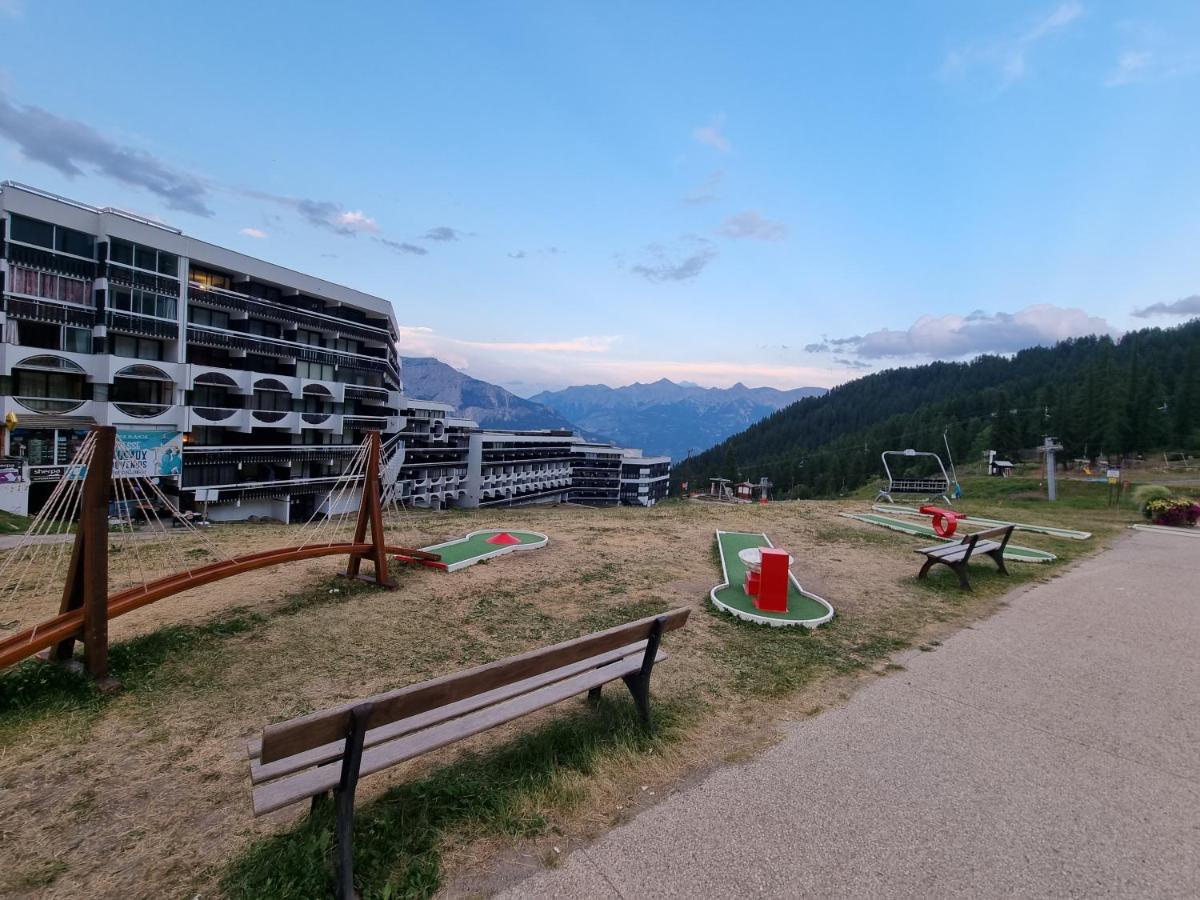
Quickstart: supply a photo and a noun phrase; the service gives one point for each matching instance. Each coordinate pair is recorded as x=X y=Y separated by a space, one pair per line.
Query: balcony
x=48 y=261
x=50 y=312
x=221 y=417
x=221 y=338
x=275 y=418
x=148 y=326
x=122 y=413
x=281 y=312
x=159 y=284
x=321 y=422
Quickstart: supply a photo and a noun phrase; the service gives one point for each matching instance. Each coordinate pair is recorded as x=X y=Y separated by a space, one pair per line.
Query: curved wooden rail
x=69 y=624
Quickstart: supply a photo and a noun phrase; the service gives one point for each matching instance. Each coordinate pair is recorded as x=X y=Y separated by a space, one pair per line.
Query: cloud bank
x=955 y=336
x=1188 y=306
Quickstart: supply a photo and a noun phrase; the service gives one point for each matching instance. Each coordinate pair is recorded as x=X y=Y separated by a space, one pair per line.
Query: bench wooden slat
x=286 y=739
x=285 y=791
x=260 y=772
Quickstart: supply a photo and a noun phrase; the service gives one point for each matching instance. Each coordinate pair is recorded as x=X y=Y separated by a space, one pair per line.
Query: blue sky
x=557 y=193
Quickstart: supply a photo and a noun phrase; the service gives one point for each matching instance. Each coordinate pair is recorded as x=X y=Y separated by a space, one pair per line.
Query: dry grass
x=146 y=793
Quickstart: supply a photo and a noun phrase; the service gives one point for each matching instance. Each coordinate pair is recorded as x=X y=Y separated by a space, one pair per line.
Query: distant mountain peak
x=665 y=417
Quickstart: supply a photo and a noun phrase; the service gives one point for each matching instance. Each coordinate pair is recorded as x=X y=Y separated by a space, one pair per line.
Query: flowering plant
x=1178 y=512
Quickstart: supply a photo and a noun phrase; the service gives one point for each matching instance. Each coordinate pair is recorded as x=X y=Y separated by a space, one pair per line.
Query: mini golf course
x=1168 y=529
x=803 y=608
x=480 y=545
x=1012 y=551
x=995 y=523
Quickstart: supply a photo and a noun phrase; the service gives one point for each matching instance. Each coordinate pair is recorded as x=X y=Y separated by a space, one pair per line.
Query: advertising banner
x=148 y=454
x=11 y=471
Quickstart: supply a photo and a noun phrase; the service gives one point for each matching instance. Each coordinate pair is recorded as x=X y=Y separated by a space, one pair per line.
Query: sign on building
x=148 y=454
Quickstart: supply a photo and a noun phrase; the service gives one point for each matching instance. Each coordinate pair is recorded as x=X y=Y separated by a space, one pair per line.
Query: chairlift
x=924 y=487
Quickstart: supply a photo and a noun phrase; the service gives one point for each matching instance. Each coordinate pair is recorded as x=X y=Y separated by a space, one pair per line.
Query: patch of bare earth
x=150 y=796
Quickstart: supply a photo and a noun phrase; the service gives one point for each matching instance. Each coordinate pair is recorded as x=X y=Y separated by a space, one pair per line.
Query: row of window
x=48 y=286
x=52 y=237
x=140 y=256
x=145 y=302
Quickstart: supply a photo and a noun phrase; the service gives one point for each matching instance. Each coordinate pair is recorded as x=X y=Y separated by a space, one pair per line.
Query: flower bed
x=1177 y=512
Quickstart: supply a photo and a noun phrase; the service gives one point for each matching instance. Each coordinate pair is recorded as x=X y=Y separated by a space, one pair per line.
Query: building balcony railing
x=49 y=311
x=133 y=323
x=281 y=312
x=367 y=393
x=54 y=406
x=146 y=280
x=291 y=350
x=49 y=261
x=285 y=454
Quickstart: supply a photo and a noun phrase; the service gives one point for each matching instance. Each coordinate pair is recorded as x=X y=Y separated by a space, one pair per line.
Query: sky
x=551 y=193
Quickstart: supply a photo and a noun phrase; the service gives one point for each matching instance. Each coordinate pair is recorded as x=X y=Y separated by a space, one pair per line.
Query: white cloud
x=1151 y=55
x=750 y=224
x=1008 y=56
x=12 y=8
x=357 y=221
x=713 y=135
x=956 y=336
x=705 y=192
x=253 y=232
x=681 y=261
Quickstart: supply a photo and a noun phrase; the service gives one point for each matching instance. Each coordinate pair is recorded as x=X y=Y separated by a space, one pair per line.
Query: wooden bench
x=956 y=556
x=330 y=750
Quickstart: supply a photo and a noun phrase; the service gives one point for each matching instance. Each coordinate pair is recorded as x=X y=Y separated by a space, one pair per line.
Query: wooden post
x=87 y=574
x=370 y=512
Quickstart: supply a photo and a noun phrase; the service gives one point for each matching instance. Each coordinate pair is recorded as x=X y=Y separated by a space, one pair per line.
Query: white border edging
x=764 y=620
x=1167 y=529
x=1048 y=530
x=895 y=526
x=499 y=551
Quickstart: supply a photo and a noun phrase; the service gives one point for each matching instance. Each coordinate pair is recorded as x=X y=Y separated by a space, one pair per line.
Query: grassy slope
x=546 y=780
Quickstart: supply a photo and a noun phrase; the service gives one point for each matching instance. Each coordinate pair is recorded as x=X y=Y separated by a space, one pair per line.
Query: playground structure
x=1051 y=531
x=477 y=547
x=1011 y=551
x=759 y=585
x=922 y=487
x=87 y=603
x=945 y=521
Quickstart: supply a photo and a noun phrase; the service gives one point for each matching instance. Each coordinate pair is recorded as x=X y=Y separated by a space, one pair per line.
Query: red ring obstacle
x=945 y=521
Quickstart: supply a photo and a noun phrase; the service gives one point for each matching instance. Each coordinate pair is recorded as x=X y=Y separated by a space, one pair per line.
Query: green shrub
x=1144 y=493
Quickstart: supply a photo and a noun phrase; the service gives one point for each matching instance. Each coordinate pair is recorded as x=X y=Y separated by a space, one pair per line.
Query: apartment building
x=244 y=386
x=644 y=479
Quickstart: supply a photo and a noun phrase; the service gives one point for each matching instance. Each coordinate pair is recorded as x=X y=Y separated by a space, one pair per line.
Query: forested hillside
x=1098 y=396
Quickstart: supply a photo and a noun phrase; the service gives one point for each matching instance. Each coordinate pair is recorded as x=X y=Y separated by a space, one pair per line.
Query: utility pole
x=1049 y=447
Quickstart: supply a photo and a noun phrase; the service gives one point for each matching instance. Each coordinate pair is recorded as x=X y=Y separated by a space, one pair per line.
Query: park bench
x=306 y=757
x=956 y=556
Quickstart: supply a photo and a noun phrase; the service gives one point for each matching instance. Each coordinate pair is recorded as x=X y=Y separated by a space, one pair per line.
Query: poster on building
x=11 y=471
x=148 y=454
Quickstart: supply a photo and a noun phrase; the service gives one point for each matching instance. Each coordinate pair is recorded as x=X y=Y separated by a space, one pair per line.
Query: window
x=312 y=338
x=128 y=254
x=211 y=395
x=318 y=371
x=263 y=329
x=77 y=340
x=31 y=231
x=135 y=348
x=51 y=287
x=140 y=390
x=208 y=279
x=347 y=346
x=144 y=303
x=213 y=318
x=273 y=400
x=74 y=242
x=60 y=385
x=121 y=252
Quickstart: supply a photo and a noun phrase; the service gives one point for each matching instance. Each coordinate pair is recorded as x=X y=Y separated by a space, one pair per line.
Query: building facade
x=245 y=386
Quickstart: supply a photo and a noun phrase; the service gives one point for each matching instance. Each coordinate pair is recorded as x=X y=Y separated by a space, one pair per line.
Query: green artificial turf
x=1013 y=552
x=469 y=548
x=801 y=606
x=998 y=523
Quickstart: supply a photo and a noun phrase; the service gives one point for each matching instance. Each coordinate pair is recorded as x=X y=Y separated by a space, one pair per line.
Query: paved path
x=1050 y=751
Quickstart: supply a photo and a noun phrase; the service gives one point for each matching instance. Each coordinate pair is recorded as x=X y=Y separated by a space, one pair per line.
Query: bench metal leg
x=344 y=796
x=961 y=571
x=925 y=568
x=998 y=556
x=594 y=696
x=639 y=682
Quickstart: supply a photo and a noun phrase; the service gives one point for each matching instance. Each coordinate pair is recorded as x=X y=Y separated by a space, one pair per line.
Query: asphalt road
x=1052 y=750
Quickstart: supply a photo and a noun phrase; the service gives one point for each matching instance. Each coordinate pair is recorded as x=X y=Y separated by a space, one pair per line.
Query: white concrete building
x=245 y=386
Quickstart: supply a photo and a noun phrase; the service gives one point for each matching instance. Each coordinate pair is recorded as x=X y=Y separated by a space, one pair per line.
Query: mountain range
x=426 y=378
x=664 y=417
x=1099 y=397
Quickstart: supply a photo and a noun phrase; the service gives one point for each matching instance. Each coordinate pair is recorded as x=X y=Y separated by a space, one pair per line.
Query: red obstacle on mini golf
x=504 y=539
x=769 y=585
x=945 y=521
